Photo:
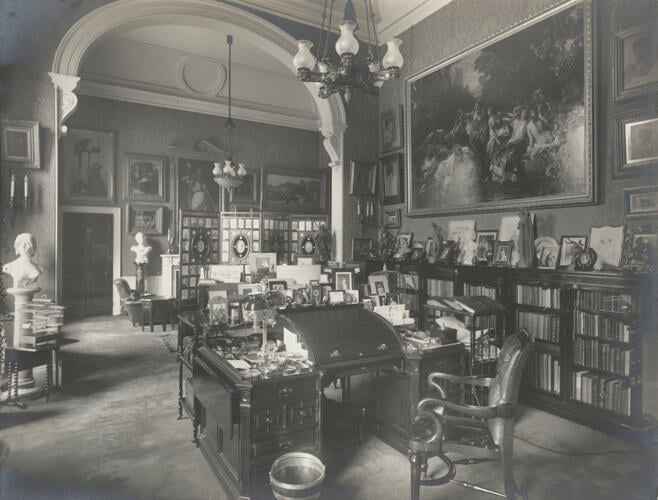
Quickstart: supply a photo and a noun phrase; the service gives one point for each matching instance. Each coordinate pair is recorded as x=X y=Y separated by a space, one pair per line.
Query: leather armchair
x=483 y=432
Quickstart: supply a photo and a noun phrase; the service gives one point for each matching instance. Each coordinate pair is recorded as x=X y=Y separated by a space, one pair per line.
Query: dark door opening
x=87 y=264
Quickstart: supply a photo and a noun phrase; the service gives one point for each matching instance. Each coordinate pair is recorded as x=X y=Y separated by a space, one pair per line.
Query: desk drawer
x=302 y=413
x=267 y=420
x=286 y=389
x=285 y=443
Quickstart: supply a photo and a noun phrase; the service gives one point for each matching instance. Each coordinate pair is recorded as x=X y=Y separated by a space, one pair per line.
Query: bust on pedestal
x=141 y=251
x=24 y=273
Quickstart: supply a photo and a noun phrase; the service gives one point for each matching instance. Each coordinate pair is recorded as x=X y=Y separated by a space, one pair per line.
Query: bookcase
x=595 y=333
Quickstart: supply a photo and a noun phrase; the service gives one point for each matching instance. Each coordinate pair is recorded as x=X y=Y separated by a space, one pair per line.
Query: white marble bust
x=23 y=270
x=141 y=250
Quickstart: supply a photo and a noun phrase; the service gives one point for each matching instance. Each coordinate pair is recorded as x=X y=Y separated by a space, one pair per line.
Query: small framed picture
x=378 y=285
x=641 y=201
x=635 y=146
x=391 y=175
x=636 y=68
x=264 y=263
x=277 y=285
x=447 y=254
x=429 y=247
x=403 y=241
x=144 y=178
x=325 y=290
x=145 y=219
x=362 y=248
x=391 y=129
x=343 y=280
x=337 y=297
x=503 y=253
x=392 y=218
x=607 y=242
x=246 y=288
x=351 y=296
x=363 y=178
x=569 y=246
x=639 y=253
x=485 y=242
x=19 y=143
x=546 y=252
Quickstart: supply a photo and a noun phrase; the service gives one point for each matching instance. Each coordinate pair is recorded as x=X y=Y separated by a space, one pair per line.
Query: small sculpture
x=141 y=250
x=526 y=241
x=438 y=243
x=23 y=270
x=469 y=249
x=323 y=244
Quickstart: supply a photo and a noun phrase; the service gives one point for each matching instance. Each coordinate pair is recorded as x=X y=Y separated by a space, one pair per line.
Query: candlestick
x=12 y=186
x=26 y=186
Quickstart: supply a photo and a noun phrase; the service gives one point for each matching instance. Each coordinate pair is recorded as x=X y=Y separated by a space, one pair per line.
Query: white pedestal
x=22 y=296
x=169 y=263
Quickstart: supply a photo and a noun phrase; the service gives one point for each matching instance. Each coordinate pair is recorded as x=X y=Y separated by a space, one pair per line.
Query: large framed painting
x=87 y=166
x=506 y=123
x=247 y=195
x=144 y=218
x=193 y=183
x=144 y=178
x=295 y=191
x=636 y=61
x=635 y=146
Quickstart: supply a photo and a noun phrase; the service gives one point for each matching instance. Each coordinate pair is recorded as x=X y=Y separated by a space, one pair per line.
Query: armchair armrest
x=502 y=410
x=479 y=380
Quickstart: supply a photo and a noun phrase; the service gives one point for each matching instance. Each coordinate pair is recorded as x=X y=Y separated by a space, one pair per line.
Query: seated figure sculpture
x=23 y=270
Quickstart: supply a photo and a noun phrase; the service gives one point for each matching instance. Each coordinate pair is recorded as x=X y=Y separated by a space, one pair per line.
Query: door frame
x=115 y=212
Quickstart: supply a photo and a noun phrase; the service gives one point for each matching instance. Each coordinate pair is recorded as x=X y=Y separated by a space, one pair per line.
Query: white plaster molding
x=400 y=20
x=255 y=113
x=66 y=98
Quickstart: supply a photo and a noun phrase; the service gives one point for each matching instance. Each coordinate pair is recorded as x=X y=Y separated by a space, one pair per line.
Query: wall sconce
x=14 y=201
x=365 y=210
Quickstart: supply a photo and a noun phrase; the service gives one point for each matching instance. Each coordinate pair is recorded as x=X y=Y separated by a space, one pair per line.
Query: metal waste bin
x=297 y=476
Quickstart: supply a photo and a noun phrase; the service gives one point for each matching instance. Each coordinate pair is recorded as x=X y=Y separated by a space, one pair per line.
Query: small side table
x=23 y=358
x=159 y=310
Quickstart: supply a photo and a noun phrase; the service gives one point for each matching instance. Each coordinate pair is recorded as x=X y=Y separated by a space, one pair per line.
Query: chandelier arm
x=365 y=2
x=325 y=54
x=374 y=30
x=229 y=123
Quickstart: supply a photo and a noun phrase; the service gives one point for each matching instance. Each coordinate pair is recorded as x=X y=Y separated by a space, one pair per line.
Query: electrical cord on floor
x=580 y=454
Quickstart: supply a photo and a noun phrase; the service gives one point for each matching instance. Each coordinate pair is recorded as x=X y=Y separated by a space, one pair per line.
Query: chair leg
x=507 y=456
x=416 y=460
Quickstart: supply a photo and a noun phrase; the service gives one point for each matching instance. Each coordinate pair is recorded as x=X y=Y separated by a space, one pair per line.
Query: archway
x=123 y=14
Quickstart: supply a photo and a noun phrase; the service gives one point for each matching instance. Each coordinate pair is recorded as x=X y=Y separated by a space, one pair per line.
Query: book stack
x=593 y=353
x=440 y=288
x=533 y=295
x=545 y=372
x=474 y=290
x=595 y=325
x=43 y=321
x=607 y=392
x=544 y=327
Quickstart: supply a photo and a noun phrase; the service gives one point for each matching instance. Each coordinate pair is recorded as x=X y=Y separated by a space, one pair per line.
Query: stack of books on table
x=43 y=321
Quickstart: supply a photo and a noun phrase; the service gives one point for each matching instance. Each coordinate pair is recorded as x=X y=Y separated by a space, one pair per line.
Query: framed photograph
x=337 y=297
x=546 y=252
x=248 y=195
x=390 y=129
x=447 y=254
x=641 y=201
x=391 y=174
x=144 y=178
x=485 y=242
x=351 y=296
x=393 y=218
x=277 y=285
x=429 y=247
x=362 y=248
x=363 y=178
x=378 y=285
x=262 y=263
x=607 y=242
x=296 y=191
x=248 y=288
x=403 y=240
x=343 y=280
x=640 y=245
x=635 y=147
x=502 y=253
x=454 y=166
x=19 y=143
x=87 y=167
x=217 y=307
x=635 y=66
x=145 y=219
x=569 y=245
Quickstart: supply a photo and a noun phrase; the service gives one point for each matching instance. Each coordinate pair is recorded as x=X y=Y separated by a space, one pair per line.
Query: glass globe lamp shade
x=217 y=169
x=304 y=58
x=347 y=42
x=393 y=57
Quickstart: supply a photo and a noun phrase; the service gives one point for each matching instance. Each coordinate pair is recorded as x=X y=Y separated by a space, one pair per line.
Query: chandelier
x=347 y=74
x=229 y=176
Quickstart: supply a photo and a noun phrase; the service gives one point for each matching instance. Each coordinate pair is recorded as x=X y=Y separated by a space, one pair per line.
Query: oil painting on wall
x=294 y=190
x=507 y=123
x=196 y=188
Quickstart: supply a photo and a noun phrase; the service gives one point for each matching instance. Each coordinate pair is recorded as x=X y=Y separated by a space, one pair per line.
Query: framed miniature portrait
x=392 y=218
x=569 y=246
x=447 y=254
x=636 y=62
x=343 y=280
x=485 y=242
x=19 y=143
x=546 y=252
x=391 y=129
x=363 y=178
x=144 y=178
x=503 y=253
x=337 y=297
x=361 y=248
x=641 y=201
x=640 y=246
x=391 y=175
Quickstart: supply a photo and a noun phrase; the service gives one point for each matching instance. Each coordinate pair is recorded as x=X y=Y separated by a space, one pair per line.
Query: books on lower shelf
x=473 y=290
x=545 y=372
x=440 y=288
x=541 y=326
x=595 y=325
x=608 y=392
x=601 y=355
x=535 y=295
x=609 y=302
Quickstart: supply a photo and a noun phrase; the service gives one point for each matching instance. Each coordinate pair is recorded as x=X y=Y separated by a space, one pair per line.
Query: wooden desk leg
x=151 y=319
x=56 y=356
x=49 y=376
x=143 y=316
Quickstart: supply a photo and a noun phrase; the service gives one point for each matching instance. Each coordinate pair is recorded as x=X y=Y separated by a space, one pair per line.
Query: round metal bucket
x=297 y=476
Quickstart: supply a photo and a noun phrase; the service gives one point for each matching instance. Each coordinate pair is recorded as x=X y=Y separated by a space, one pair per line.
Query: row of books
x=487 y=291
x=440 y=288
x=594 y=325
x=542 y=326
x=610 y=393
x=593 y=353
x=534 y=295
x=409 y=299
x=609 y=302
x=544 y=372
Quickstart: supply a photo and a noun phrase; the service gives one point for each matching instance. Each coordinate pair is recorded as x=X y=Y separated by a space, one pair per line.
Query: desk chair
x=483 y=432
x=125 y=293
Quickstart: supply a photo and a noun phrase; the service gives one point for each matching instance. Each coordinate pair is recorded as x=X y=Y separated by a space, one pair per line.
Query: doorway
x=87 y=264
